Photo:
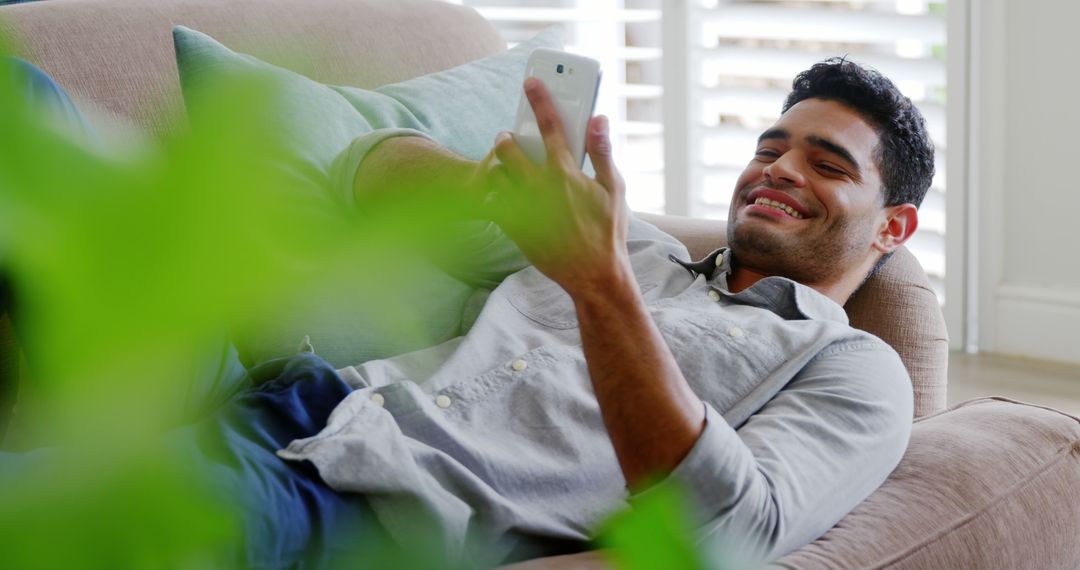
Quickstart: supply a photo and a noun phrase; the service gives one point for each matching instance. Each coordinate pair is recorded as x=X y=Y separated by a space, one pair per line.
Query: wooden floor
x=1038 y=382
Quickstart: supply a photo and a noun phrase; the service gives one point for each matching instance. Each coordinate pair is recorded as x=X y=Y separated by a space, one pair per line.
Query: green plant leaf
x=655 y=533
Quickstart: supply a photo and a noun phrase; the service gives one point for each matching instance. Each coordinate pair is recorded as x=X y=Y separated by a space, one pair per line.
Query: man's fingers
x=549 y=121
x=598 y=146
x=512 y=157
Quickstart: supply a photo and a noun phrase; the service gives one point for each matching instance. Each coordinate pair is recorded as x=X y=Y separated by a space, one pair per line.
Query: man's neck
x=743 y=277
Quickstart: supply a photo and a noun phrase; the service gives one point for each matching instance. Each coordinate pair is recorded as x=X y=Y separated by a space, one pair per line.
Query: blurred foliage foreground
x=131 y=263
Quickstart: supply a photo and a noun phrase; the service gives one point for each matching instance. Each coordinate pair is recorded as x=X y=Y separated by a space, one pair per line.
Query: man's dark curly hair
x=905 y=155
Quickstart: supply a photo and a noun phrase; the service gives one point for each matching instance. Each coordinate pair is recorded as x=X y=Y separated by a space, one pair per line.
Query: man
x=606 y=365
x=612 y=364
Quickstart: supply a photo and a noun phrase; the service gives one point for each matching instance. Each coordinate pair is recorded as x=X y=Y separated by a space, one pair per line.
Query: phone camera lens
x=559 y=68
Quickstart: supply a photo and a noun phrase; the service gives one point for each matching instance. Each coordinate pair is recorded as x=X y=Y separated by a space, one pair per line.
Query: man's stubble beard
x=808 y=260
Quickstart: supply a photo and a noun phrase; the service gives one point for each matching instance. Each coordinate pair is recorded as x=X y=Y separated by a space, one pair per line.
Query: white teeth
x=779 y=206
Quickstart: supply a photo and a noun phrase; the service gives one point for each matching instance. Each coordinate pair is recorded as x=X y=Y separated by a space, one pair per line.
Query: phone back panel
x=574 y=91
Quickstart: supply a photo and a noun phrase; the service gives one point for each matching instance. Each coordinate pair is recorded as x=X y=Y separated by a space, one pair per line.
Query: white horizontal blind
x=744 y=54
x=624 y=35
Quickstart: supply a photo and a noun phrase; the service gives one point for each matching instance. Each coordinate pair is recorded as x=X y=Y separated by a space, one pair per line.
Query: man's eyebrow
x=838 y=150
x=781 y=134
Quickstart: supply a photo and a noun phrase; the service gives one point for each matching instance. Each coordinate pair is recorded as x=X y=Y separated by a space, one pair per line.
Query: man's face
x=809 y=204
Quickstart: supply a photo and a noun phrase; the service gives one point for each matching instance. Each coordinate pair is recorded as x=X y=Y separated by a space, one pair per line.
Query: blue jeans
x=292 y=518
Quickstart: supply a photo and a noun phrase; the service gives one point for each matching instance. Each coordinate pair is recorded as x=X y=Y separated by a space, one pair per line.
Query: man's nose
x=785 y=170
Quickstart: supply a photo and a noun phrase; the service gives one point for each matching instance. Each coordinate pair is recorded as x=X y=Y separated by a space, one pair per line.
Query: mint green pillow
x=329 y=129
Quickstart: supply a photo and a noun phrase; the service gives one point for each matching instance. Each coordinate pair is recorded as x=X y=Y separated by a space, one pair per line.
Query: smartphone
x=573 y=82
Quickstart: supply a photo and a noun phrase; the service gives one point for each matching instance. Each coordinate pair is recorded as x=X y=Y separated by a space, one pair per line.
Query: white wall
x=1025 y=176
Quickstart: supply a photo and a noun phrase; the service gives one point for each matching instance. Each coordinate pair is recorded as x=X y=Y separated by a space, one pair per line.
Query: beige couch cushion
x=131 y=70
x=898 y=305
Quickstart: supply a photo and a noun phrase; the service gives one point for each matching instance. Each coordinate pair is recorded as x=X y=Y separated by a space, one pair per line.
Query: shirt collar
x=788 y=299
x=719 y=259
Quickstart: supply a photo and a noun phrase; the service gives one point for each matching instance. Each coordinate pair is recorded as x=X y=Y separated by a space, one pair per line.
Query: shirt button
x=378 y=399
x=714 y=295
x=443 y=401
x=735 y=332
x=519 y=365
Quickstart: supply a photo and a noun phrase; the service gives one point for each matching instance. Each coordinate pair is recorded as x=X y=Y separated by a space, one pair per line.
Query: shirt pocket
x=723 y=356
x=539 y=299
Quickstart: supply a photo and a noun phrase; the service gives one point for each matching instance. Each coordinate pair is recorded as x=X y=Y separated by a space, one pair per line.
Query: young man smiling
x=815 y=175
x=611 y=362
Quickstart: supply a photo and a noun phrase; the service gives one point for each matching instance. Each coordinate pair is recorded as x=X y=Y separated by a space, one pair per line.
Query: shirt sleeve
x=484 y=254
x=803 y=461
x=343 y=170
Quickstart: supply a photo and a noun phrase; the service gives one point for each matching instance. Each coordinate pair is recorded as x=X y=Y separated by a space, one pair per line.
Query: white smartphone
x=573 y=82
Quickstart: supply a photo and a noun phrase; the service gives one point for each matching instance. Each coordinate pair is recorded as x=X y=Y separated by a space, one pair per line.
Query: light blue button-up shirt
x=497 y=436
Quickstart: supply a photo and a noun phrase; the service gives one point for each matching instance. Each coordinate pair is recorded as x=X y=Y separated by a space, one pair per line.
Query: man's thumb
x=598 y=146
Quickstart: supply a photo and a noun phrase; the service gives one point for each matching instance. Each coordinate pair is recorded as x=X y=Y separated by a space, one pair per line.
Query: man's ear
x=900 y=222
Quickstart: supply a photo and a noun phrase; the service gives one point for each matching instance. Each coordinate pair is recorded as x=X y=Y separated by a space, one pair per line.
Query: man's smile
x=775 y=203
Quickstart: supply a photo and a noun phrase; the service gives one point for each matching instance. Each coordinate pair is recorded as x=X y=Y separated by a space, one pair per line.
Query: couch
x=988 y=483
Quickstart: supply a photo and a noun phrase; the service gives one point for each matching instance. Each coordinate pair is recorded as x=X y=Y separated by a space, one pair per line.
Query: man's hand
x=571 y=227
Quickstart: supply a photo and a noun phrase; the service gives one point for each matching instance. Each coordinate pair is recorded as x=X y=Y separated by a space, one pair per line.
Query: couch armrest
x=988 y=484
x=896 y=304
